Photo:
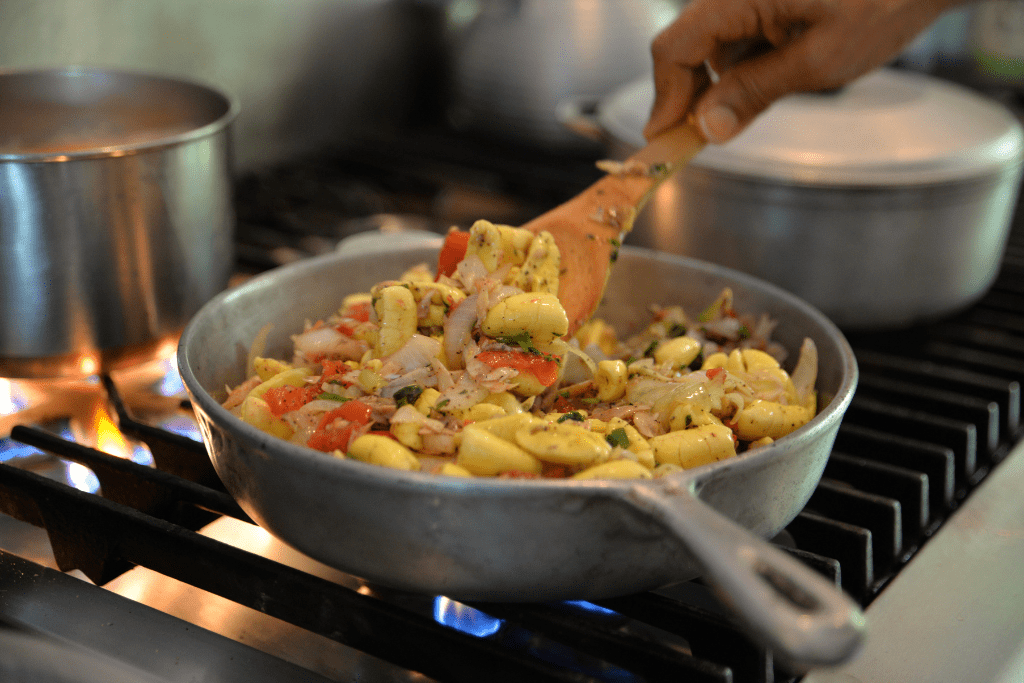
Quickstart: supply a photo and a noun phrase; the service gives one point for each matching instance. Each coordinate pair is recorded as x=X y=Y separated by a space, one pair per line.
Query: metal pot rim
x=864 y=126
x=227 y=106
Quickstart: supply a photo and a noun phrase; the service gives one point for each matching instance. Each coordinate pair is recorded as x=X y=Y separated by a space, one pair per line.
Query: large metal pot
x=884 y=204
x=516 y=540
x=513 y=61
x=115 y=215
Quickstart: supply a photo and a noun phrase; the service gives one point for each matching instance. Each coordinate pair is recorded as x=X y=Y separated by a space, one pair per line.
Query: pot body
x=869 y=258
x=515 y=60
x=887 y=238
x=115 y=216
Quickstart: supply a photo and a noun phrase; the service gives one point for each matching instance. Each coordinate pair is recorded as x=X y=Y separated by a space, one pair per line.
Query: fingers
x=749 y=87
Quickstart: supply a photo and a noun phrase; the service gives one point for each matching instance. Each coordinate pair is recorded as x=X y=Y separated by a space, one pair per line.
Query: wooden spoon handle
x=590 y=227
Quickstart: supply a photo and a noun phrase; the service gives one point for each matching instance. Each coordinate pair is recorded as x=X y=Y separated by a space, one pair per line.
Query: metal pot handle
x=805 y=619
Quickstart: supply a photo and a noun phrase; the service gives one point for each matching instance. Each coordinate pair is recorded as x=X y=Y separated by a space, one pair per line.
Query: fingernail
x=719 y=123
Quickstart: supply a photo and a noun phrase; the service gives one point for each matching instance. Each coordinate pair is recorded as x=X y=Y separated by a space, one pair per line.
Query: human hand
x=808 y=45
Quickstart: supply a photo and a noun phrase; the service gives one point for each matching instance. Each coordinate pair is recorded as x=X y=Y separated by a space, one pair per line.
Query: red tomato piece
x=333 y=368
x=359 y=312
x=330 y=440
x=352 y=411
x=544 y=369
x=452 y=252
x=285 y=399
x=715 y=373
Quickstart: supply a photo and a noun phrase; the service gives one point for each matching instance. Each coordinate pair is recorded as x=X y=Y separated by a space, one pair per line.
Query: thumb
x=744 y=91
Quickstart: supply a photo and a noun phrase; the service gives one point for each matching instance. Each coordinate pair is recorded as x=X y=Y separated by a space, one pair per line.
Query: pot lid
x=887 y=127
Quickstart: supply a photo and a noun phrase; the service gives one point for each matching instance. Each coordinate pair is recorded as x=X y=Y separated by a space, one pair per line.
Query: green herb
x=744 y=332
x=574 y=415
x=689 y=419
x=408 y=395
x=328 y=396
x=522 y=339
x=589 y=401
x=617 y=437
x=649 y=351
x=615 y=256
x=442 y=403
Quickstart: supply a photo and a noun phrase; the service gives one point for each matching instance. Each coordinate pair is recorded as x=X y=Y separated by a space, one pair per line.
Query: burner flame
x=11 y=400
x=464 y=618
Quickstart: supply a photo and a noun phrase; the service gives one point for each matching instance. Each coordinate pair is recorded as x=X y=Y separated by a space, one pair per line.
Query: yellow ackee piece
x=442 y=296
x=481 y=412
x=268 y=367
x=616 y=469
x=486 y=455
x=294 y=377
x=686 y=415
x=611 y=380
x=396 y=311
x=599 y=333
x=506 y=401
x=679 y=352
x=256 y=412
x=506 y=427
x=384 y=451
x=408 y=434
x=638 y=445
x=694 y=447
x=497 y=245
x=539 y=272
x=428 y=400
x=563 y=443
x=452 y=470
x=538 y=314
x=767 y=418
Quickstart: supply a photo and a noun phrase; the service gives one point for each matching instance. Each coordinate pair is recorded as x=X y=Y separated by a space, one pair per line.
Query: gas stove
x=118 y=543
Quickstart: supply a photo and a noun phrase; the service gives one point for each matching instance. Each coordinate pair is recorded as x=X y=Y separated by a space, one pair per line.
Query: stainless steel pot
x=115 y=215
x=515 y=540
x=513 y=61
x=885 y=204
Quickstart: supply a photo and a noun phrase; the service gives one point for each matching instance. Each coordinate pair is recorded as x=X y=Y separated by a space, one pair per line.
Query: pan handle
x=804 y=618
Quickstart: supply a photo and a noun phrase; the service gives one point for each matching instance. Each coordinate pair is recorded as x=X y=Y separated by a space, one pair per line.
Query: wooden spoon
x=590 y=227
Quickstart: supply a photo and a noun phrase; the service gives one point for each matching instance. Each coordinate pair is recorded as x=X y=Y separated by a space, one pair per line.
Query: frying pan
x=516 y=540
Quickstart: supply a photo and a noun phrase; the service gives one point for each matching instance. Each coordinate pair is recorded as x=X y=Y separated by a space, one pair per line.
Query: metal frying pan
x=515 y=540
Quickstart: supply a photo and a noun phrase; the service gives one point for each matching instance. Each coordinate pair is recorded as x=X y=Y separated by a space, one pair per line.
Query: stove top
x=915 y=517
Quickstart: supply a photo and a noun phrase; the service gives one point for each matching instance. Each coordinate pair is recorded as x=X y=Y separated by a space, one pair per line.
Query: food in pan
x=466 y=372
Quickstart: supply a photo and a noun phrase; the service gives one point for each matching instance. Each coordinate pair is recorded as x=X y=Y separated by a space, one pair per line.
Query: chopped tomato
x=346 y=330
x=715 y=373
x=452 y=251
x=359 y=312
x=333 y=368
x=352 y=411
x=544 y=369
x=330 y=440
x=285 y=399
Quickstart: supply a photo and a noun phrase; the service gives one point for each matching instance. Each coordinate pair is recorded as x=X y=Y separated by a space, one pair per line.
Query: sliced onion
x=805 y=374
x=416 y=352
x=458 y=329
